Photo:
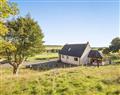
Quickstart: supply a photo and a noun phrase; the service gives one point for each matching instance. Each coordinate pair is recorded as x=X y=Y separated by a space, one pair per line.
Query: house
x=79 y=54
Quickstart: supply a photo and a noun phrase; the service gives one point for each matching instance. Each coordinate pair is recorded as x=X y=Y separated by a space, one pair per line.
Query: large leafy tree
x=23 y=40
x=115 y=45
x=7 y=9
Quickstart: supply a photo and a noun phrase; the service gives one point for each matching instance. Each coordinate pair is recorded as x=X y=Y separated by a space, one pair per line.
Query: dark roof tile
x=95 y=54
x=73 y=49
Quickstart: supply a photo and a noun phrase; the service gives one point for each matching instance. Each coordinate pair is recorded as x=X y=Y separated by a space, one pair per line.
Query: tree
x=115 y=45
x=106 y=51
x=100 y=49
x=6 y=9
x=23 y=40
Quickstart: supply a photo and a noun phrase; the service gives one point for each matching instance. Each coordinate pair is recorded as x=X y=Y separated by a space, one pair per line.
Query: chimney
x=87 y=42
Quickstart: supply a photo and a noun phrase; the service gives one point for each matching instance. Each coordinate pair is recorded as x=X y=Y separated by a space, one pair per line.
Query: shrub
x=99 y=86
x=114 y=56
x=106 y=51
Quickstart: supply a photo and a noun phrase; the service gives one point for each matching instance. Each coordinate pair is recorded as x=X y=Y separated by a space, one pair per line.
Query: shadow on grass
x=49 y=65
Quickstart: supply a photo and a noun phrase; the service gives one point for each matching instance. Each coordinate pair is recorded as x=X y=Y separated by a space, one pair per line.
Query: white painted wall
x=63 y=59
x=70 y=59
x=84 y=58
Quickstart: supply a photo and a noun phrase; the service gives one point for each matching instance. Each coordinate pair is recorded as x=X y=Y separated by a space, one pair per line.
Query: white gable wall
x=84 y=58
x=70 y=59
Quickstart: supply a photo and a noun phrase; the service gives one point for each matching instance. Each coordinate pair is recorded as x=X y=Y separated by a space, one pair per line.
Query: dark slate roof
x=75 y=50
x=95 y=54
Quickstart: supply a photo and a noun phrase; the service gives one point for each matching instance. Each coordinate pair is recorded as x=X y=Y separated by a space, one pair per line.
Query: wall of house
x=70 y=59
x=84 y=58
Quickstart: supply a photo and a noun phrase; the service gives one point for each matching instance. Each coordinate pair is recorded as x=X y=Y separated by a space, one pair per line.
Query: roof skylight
x=69 y=49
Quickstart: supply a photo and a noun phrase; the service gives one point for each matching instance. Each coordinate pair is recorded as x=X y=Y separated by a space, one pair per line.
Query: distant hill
x=96 y=48
x=49 y=47
x=53 y=45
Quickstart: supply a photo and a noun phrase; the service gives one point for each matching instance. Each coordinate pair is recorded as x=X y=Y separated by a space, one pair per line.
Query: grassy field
x=49 y=47
x=44 y=56
x=63 y=81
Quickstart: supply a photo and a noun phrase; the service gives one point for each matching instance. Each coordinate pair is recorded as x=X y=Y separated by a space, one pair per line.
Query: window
x=75 y=59
x=62 y=56
x=67 y=57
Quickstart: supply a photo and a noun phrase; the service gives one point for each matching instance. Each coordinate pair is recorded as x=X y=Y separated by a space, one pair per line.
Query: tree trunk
x=15 y=70
x=98 y=64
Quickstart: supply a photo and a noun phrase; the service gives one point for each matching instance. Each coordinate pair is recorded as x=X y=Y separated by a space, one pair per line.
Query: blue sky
x=74 y=21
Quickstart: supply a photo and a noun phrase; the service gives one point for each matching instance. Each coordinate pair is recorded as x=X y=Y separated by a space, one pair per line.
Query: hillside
x=64 y=81
x=49 y=47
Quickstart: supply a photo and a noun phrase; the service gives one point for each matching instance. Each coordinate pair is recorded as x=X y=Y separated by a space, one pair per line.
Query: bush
x=106 y=51
x=114 y=56
x=100 y=49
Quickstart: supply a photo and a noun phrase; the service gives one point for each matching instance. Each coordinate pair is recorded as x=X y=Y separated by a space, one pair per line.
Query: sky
x=75 y=21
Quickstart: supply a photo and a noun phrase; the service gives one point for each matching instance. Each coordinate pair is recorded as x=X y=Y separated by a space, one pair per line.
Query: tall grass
x=70 y=81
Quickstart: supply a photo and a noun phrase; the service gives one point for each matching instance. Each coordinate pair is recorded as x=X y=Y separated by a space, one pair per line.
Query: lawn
x=44 y=56
x=63 y=81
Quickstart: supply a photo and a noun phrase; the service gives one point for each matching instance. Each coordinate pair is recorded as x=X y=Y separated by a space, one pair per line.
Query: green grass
x=65 y=81
x=44 y=56
x=117 y=61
